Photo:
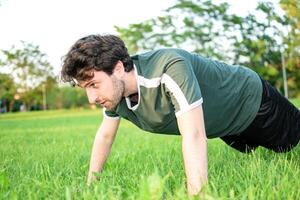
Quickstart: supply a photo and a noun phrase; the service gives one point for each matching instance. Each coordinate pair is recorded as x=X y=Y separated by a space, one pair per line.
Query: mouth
x=102 y=103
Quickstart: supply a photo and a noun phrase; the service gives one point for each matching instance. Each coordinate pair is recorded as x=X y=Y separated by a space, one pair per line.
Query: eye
x=93 y=85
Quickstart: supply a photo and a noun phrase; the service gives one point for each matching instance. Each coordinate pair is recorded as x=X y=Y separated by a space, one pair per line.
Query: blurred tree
x=193 y=25
x=27 y=64
x=39 y=94
x=257 y=42
x=30 y=78
x=264 y=44
x=29 y=68
x=292 y=42
x=68 y=97
x=7 y=91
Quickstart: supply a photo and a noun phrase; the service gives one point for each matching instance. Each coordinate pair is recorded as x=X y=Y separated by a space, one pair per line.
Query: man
x=171 y=91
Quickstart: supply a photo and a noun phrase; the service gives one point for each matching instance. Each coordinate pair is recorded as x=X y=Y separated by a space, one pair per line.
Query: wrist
x=193 y=189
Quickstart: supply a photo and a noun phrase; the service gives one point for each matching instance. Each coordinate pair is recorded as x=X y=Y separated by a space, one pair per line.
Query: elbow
x=195 y=136
x=102 y=137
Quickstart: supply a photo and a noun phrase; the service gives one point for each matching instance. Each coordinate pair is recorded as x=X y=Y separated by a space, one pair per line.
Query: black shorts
x=276 y=125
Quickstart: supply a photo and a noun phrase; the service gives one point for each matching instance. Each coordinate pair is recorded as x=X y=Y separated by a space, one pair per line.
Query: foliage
x=32 y=75
x=7 y=91
x=186 y=24
x=66 y=97
x=27 y=64
x=292 y=9
x=292 y=41
x=29 y=68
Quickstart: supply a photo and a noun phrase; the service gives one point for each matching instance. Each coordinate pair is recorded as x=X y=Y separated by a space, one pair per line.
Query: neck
x=131 y=83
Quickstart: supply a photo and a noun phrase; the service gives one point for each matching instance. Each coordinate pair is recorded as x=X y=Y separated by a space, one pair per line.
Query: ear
x=119 y=69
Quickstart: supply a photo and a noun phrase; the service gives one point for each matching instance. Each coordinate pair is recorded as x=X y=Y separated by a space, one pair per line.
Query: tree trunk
x=11 y=104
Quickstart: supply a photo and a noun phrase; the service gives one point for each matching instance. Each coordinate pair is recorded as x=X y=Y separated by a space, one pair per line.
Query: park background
x=45 y=154
x=35 y=35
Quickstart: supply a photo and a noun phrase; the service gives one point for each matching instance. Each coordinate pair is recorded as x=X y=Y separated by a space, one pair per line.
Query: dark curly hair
x=98 y=52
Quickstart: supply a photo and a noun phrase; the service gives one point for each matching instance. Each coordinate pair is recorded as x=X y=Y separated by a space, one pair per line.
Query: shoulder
x=164 y=53
x=156 y=62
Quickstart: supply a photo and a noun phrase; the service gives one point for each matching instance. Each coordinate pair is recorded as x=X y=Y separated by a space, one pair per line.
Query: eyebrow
x=87 y=83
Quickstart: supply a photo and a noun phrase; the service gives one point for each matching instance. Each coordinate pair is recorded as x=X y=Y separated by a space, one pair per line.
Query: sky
x=55 y=25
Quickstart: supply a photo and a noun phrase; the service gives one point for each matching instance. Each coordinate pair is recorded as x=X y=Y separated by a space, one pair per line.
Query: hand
x=199 y=194
x=91 y=178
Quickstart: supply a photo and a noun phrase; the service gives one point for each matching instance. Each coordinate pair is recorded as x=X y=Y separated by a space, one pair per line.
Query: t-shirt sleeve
x=182 y=85
x=110 y=114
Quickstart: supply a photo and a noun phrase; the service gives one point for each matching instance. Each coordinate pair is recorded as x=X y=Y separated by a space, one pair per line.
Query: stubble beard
x=118 y=93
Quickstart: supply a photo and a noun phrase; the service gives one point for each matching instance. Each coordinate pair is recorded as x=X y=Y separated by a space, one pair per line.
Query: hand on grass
x=91 y=178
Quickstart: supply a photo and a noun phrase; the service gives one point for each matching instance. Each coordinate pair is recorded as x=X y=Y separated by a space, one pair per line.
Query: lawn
x=45 y=155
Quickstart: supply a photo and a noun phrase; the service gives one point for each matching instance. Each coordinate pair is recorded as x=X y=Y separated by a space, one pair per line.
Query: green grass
x=296 y=102
x=45 y=155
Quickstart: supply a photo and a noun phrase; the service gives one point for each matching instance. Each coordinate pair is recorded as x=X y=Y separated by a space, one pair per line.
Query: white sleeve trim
x=175 y=89
x=149 y=83
x=190 y=107
x=108 y=117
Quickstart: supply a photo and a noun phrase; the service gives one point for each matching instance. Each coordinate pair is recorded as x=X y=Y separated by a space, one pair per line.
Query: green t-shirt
x=173 y=81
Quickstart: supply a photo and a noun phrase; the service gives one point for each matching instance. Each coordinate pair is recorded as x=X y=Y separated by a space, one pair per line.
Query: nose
x=92 y=96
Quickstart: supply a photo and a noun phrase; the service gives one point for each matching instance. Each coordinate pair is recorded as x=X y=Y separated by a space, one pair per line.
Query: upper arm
x=182 y=86
x=185 y=94
x=109 y=126
x=192 y=122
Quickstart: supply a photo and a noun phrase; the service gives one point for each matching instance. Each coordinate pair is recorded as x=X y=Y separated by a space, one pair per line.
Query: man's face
x=104 y=90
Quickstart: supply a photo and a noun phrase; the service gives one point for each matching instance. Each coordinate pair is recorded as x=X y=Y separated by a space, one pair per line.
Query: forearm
x=194 y=149
x=100 y=151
